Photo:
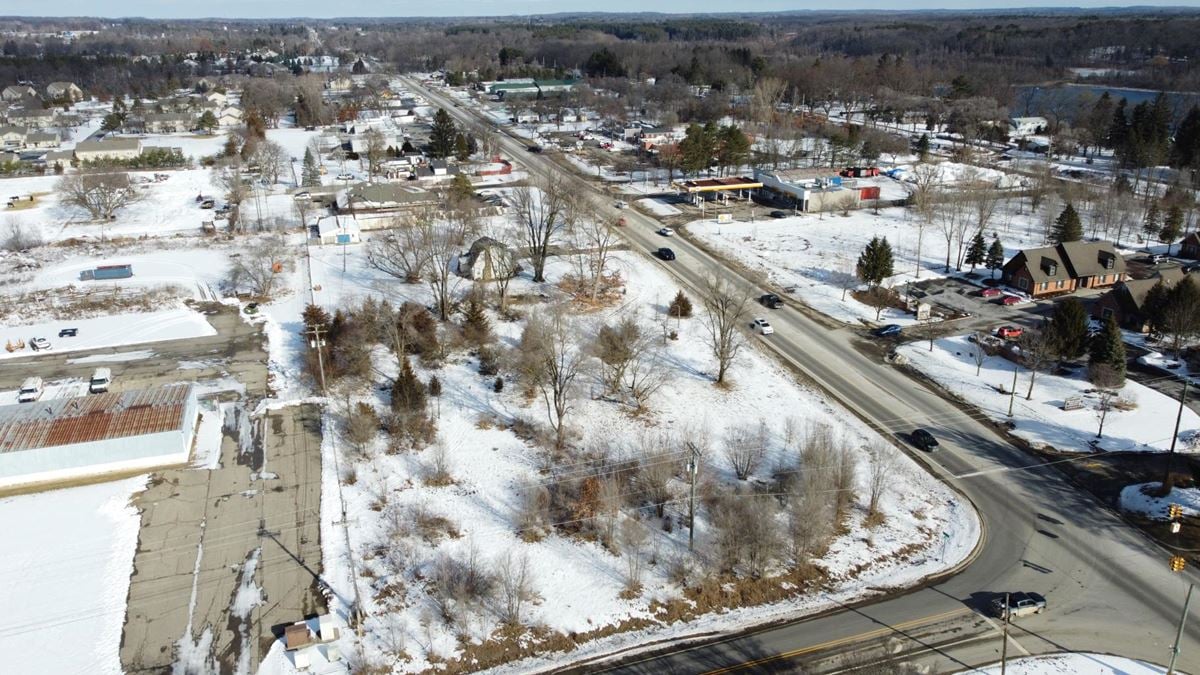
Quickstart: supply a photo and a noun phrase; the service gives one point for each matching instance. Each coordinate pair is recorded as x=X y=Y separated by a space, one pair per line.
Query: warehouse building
x=85 y=435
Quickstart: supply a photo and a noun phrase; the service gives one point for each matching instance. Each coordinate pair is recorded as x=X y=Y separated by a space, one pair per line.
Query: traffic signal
x=1178 y=563
x=1175 y=511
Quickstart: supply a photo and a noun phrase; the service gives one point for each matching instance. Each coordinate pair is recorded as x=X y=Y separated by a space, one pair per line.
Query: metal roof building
x=116 y=431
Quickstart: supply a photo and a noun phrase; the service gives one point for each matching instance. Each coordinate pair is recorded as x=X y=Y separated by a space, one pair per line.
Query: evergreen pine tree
x=310 y=176
x=1069 y=328
x=995 y=256
x=442 y=134
x=1108 y=349
x=1067 y=227
x=680 y=307
x=1151 y=227
x=1172 y=227
x=477 y=329
x=408 y=394
x=1155 y=304
x=462 y=149
x=977 y=252
x=923 y=147
x=875 y=262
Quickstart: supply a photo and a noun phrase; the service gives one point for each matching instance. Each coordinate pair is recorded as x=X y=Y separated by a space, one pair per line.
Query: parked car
x=68 y=332
x=1158 y=258
x=778 y=214
x=924 y=440
x=31 y=390
x=39 y=344
x=621 y=204
x=990 y=293
x=302 y=196
x=1019 y=604
x=762 y=326
x=100 y=381
x=1010 y=300
x=665 y=253
x=888 y=331
x=1009 y=332
x=666 y=232
x=208 y=204
x=771 y=301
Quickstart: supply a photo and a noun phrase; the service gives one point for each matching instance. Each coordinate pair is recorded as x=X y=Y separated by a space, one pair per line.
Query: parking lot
x=252 y=522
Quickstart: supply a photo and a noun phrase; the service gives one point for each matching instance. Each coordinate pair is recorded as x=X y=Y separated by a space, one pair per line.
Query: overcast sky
x=175 y=9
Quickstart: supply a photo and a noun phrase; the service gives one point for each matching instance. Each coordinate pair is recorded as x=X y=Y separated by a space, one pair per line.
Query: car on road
x=39 y=344
x=666 y=232
x=887 y=331
x=1019 y=604
x=302 y=196
x=68 y=332
x=762 y=326
x=771 y=301
x=621 y=204
x=208 y=204
x=778 y=214
x=345 y=176
x=535 y=149
x=665 y=253
x=923 y=440
x=1158 y=258
x=1009 y=332
x=1010 y=300
x=31 y=390
x=990 y=293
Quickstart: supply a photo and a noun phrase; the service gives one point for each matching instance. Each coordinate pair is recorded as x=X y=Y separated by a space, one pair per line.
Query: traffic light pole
x=1166 y=484
x=1004 y=645
x=1179 y=632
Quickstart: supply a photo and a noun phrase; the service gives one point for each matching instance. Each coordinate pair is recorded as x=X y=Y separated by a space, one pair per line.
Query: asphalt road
x=1108 y=587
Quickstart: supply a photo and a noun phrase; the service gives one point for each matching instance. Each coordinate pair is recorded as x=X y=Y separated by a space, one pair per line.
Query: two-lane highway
x=1108 y=586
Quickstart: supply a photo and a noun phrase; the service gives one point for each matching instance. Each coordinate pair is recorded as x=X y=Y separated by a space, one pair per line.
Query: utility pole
x=314 y=332
x=1004 y=645
x=693 y=468
x=1179 y=633
x=1166 y=483
x=1012 y=394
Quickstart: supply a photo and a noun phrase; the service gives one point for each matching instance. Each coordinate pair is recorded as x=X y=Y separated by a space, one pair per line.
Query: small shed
x=338 y=231
x=488 y=260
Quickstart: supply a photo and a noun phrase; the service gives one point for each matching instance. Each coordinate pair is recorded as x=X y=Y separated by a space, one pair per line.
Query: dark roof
x=85 y=419
x=1043 y=264
x=1091 y=258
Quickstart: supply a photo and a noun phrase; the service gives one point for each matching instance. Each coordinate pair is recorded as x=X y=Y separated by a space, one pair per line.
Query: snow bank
x=1074 y=664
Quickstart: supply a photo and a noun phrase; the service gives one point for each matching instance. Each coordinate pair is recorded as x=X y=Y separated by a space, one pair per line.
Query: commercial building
x=65 y=438
x=1064 y=268
x=809 y=192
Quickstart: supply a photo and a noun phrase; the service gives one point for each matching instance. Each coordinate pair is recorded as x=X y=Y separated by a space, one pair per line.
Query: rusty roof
x=83 y=419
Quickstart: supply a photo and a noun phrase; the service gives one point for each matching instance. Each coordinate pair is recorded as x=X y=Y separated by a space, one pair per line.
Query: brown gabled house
x=1127 y=299
x=1190 y=246
x=1054 y=270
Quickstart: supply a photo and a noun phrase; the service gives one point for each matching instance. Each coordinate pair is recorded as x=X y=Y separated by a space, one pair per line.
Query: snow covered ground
x=110 y=331
x=579 y=583
x=1072 y=664
x=1145 y=426
x=658 y=207
x=1139 y=498
x=67 y=558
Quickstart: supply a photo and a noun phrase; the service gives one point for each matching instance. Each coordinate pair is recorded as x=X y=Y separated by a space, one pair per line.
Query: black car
x=534 y=149
x=779 y=214
x=68 y=332
x=665 y=254
x=924 y=440
x=771 y=301
x=887 y=331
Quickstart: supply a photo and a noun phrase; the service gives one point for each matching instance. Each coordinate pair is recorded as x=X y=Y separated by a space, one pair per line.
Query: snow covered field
x=1042 y=421
x=579 y=583
x=67 y=557
x=1073 y=664
x=110 y=331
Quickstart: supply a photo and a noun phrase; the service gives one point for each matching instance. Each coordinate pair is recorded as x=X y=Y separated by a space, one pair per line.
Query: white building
x=338 y=231
x=57 y=439
x=108 y=148
x=809 y=193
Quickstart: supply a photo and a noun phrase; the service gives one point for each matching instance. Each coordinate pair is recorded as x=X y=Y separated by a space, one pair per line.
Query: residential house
x=230 y=116
x=64 y=91
x=340 y=84
x=61 y=158
x=337 y=231
x=379 y=197
x=108 y=148
x=1190 y=246
x=41 y=140
x=215 y=97
x=169 y=123
x=13 y=137
x=37 y=118
x=1027 y=126
x=1064 y=268
x=18 y=92
x=1126 y=301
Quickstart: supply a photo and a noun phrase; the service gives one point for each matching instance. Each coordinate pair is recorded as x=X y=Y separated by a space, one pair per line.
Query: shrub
x=489 y=362
x=498 y=385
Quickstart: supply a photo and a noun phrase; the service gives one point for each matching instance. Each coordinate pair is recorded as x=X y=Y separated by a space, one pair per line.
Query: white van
x=31 y=390
x=100 y=381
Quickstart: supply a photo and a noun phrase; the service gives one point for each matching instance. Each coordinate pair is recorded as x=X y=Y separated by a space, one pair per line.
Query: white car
x=666 y=232
x=39 y=344
x=302 y=196
x=763 y=326
x=621 y=205
x=345 y=176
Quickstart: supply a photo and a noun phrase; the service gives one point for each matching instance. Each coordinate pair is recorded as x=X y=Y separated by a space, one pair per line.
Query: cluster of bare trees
x=420 y=246
x=99 y=194
x=259 y=268
x=631 y=362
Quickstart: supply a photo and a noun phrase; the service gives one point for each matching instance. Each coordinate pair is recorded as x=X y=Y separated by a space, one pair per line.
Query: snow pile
x=1142 y=498
x=68 y=556
x=1143 y=422
x=1074 y=664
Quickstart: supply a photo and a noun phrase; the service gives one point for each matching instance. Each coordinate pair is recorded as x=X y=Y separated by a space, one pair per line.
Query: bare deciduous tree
x=20 y=237
x=552 y=358
x=516 y=585
x=1037 y=350
x=260 y=266
x=747 y=532
x=543 y=211
x=399 y=252
x=725 y=310
x=236 y=189
x=271 y=158
x=99 y=194
x=376 y=151
x=978 y=353
x=745 y=447
x=883 y=461
x=595 y=238
x=632 y=541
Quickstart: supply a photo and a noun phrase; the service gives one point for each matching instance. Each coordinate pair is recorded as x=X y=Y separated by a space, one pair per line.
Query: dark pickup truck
x=771 y=301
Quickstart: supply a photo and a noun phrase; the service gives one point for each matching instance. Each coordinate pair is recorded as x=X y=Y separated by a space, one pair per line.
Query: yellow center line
x=869 y=635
